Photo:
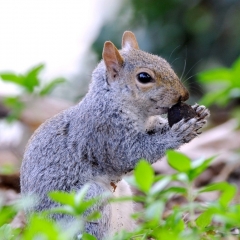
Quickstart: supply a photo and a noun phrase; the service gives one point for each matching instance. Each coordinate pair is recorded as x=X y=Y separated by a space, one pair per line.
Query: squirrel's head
x=146 y=81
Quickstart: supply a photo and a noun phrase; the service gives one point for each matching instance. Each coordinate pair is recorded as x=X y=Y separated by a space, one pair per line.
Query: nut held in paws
x=179 y=111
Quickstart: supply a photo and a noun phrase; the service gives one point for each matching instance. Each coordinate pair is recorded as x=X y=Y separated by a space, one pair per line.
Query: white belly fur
x=121 y=212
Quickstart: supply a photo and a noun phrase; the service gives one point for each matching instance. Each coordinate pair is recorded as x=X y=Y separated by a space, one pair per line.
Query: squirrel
x=101 y=139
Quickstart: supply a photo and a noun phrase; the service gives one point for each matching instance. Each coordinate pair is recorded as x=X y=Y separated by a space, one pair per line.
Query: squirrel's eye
x=144 y=78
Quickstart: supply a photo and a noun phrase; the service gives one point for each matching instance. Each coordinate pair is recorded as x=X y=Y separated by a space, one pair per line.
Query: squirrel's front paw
x=186 y=130
x=201 y=111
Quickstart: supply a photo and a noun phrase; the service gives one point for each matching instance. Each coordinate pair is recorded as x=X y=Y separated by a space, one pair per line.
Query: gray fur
x=105 y=135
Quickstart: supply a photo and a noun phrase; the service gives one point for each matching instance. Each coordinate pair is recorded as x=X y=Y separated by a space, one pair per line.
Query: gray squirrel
x=102 y=138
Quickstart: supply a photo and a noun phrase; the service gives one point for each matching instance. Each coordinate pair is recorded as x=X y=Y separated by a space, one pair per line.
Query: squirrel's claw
x=201 y=111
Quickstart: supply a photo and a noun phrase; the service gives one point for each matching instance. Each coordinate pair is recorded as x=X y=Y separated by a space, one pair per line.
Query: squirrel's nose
x=184 y=96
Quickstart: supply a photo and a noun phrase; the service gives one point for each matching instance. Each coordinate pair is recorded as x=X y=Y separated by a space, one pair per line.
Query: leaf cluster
x=189 y=220
x=30 y=83
x=224 y=84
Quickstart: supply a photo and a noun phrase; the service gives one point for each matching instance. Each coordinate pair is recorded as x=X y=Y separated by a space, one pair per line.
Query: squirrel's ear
x=112 y=58
x=129 y=40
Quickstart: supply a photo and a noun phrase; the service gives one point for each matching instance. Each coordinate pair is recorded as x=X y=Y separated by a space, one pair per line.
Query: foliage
x=30 y=83
x=191 y=220
x=224 y=84
x=215 y=217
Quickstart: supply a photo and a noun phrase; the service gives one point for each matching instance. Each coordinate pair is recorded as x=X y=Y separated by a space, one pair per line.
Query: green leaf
x=228 y=191
x=79 y=197
x=7 y=169
x=220 y=97
x=174 y=221
x=31 y=79
x=6 y=214
x=66 y=209
x=93 y=216
x=50 y=86
x=85 y=205
x=87 y=236
x=220 y=186
x=160 y=185
x=181 y=177
x=144 y=175
x=198 y=166
x=228 y=195
x=236 y=70
x=28 y=81
x=6 y=232
x=236 y=64
x=154 y=211
x=176 y=190
x=62 y=197
x=41 y=228
x=204 y=219
x=81 y=204
x=223 y=93
x=16 y=106
x=178 y=161
x=215 y=75
x=12 y=77
x=201 y=163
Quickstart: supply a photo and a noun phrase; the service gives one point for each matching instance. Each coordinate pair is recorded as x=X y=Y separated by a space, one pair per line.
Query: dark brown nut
x=179 y=111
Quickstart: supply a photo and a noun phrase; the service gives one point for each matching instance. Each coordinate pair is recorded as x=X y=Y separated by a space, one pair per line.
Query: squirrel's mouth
x=162 y=110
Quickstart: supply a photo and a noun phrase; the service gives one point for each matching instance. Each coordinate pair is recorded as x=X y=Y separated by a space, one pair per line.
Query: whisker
x=184 y=68
x=193 y=67
x=192 y=76
x=175 y=60
x=196 y=89
x=173 y=52
x=194 y=85
x=185 y=80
